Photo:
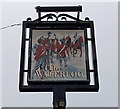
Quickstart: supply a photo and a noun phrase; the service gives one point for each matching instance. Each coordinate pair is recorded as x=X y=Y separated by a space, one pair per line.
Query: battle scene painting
x=58 y=55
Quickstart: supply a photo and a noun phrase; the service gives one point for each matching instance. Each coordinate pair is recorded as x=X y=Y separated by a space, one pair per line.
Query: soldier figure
x=47 y=45
x=52 y=49
x=61 y=50
x=40 y=58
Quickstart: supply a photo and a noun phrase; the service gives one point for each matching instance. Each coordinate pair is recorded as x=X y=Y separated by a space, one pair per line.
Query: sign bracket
x=77 y=9
x=58 y=88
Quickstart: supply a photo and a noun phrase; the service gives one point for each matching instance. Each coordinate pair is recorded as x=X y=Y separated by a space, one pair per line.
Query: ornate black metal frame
x=58 y=88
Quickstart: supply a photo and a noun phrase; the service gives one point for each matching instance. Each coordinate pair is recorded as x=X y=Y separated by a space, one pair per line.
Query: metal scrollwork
x=58 y=17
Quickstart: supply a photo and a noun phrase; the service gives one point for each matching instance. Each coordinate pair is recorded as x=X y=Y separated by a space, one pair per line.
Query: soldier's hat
x=39 y=40
x=49 y=33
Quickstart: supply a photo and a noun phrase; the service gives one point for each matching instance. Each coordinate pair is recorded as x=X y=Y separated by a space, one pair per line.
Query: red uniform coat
x=61 y=49
x=41 y=52
x=78 y=42
x=52 y=46
x=80 y=39
x=45 y=43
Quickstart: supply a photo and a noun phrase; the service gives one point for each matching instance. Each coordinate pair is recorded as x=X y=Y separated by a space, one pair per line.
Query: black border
x=68 y=87
x=87 y=81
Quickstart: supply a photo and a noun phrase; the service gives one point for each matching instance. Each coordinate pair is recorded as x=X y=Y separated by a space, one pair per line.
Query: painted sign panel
x=58 y=55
